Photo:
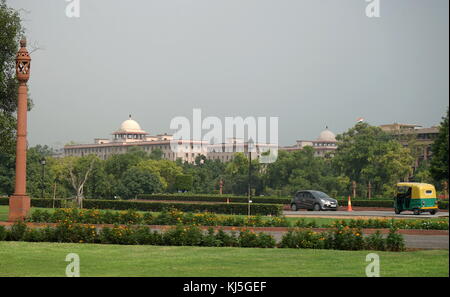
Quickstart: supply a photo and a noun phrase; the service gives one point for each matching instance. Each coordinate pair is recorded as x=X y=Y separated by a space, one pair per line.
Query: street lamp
x=249 y=149
x=19 y=202
x=42 y=161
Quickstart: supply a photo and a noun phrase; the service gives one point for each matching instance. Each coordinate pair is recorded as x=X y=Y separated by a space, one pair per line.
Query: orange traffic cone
x=349 y=207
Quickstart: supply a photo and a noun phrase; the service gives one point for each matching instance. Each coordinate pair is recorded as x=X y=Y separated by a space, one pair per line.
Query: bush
x=3 y=233
x=249 y=238
x=394 y=241
x=344 y=238
x=302 y=239
x=17 y=231
x=376 y=241
x=443 y=204
x=423 y=224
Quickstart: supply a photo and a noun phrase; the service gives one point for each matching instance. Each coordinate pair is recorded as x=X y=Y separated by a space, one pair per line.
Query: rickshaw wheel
x=397 y=211
x=416 y=211
x=433 y=212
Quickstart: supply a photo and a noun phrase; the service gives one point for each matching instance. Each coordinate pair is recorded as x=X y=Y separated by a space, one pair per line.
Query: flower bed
x=419 y=224
x=175 y=217
x=342 y=238
x=166 y=217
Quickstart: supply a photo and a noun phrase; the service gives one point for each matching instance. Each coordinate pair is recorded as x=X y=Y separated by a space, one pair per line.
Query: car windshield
x=321 y=194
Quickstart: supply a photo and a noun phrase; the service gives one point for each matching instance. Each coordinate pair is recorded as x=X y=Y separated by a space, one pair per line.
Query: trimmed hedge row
x=223 y=208
x=383 y=203
x=215 y=198
x=45 y=203
x=338 y=239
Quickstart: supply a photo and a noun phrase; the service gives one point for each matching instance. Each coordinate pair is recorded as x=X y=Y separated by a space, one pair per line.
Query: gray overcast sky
x=312 y=63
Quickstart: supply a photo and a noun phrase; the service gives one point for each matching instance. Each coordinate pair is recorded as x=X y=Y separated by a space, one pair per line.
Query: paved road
x=340 y=214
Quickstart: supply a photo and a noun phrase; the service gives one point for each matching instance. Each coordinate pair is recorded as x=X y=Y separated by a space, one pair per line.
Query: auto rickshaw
x=418 y=197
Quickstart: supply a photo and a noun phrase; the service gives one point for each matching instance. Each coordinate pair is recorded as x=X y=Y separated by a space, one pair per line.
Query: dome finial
x=129 y=116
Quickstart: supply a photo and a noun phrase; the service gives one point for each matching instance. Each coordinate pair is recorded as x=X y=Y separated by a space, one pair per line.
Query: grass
x=48 y=259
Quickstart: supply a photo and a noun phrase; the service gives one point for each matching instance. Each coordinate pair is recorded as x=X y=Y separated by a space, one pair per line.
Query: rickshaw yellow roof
x=420 y=190
x=415 y=185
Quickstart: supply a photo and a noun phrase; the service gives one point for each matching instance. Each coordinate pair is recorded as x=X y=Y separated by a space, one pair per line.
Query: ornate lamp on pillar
x=19 y=203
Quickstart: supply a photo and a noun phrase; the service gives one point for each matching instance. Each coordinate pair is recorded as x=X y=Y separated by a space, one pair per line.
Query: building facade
x=129 y=135
x=324 y=145
x=411 y=134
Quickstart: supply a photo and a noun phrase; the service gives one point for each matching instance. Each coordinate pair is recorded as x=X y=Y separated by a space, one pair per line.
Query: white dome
x=326 y=135
x=130 y=126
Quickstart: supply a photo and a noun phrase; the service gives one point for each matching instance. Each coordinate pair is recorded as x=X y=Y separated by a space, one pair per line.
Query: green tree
x=167 y=171
x=183 y=182
x=206 y=174
x=39 y=177
x=156 y=154
x=118 y=164
x=10 y=34
x=138 y=180
x=75 y=171
x=439 y=160
x=367 y=154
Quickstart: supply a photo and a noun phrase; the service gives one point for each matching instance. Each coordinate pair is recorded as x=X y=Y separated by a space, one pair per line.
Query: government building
x=324 y=145
x=130 y=134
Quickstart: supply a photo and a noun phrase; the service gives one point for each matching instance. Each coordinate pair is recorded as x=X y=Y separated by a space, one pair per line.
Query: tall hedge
x=214 y=198
x=221 y=208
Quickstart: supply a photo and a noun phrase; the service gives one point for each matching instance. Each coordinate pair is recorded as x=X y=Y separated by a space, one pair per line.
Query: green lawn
x=48 y=259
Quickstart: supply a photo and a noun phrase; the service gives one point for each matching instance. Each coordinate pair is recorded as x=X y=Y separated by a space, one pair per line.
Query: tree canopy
x=439 y=161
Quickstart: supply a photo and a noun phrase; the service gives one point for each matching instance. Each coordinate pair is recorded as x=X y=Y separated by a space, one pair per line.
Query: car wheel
x=416 y=211
x=316 y=207
x=397 y=211
x=294 y=207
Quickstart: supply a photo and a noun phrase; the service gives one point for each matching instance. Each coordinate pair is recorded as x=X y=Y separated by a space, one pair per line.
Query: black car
x=313 y=200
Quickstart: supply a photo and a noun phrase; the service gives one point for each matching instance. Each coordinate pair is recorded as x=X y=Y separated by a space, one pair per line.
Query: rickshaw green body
x=417 y=197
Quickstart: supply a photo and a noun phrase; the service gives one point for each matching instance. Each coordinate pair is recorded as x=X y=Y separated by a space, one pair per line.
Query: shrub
x=77 y=233
x=344 y=238
x=34 y=235
x=394 y=241
x=183 y=235
x=225 y=239
x=18 y=230
x=3 y=233
x=426 y=224
x=248 y=238
x=375 y=241
x=302 y=239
